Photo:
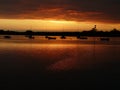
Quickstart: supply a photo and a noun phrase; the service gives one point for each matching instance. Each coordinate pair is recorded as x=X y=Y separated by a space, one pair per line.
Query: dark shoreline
x=90 y=33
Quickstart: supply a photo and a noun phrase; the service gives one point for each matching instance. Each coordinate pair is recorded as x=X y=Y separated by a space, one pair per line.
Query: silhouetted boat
x=7 y=37
x=46 y=36
x=30 y=36
x=105 y=39
x=51 y=38
x=82 y=37
x=63 y=37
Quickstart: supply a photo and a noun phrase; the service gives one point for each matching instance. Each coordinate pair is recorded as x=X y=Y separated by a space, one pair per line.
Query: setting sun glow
x=51 y=25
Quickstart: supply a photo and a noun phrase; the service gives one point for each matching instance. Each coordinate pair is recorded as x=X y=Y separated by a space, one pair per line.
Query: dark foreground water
x=58 y=64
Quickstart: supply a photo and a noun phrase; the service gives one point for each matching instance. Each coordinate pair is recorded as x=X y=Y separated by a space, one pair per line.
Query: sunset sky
x=57 y=15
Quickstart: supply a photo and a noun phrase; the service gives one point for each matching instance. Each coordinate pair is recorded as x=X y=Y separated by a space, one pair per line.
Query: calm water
x=59 y=63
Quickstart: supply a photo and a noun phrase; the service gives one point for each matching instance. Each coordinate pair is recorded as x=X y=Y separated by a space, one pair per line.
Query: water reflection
x=59 y=62
x=59 y=56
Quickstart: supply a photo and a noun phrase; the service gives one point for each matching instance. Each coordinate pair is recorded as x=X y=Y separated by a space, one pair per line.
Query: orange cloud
x=106 y=11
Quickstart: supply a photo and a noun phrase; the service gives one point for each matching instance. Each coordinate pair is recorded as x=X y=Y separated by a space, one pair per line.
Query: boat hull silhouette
x=82 y=37
x=30 y=37
x=50 y=38
x=63 y=37
x=7 y=37
x=105 y=39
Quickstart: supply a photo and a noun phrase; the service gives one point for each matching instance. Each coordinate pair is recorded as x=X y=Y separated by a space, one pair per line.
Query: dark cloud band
x=78 y=10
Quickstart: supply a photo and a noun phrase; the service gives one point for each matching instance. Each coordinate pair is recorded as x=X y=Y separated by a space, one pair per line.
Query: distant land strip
x=93 y=32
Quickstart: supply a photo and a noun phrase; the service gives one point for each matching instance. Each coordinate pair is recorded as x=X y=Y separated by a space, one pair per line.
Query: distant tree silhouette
x=114 y=30
x=94 y=29
x=1 y=31
x=93 y=32
x=29 y=32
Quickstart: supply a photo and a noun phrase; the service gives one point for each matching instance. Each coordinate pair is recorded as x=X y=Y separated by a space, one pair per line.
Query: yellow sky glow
x=52 y=25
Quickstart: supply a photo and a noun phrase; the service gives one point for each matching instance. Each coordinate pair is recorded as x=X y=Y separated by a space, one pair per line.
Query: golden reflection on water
x=54 y=56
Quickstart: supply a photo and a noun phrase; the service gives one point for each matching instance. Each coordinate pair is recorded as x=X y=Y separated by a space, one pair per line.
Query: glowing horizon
x=57 y=15
x=52 y=25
